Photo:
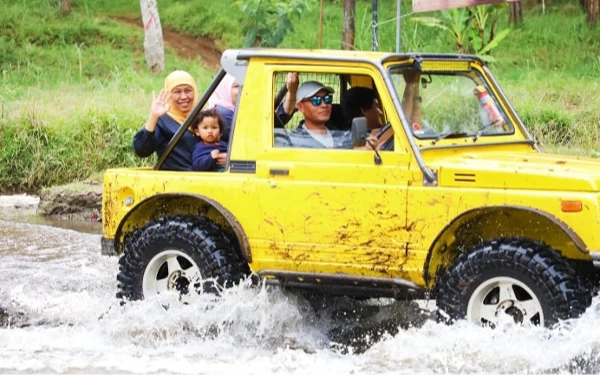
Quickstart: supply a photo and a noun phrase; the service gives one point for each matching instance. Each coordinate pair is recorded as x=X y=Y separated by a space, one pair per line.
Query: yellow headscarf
x=180 y=77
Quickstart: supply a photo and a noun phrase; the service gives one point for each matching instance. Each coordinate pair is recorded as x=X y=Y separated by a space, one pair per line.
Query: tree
x=268 y=21
x=516 y=13
x=349 y=28
x=65 y=6
x=154 y=49
x=592 y=9
x=474 y=29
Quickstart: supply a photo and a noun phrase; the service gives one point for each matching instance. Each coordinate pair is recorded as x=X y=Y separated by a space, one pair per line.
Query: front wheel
x=188 y=255
x=526 y=280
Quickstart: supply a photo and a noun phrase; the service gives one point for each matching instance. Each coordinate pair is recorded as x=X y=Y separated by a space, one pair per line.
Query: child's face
x=208 y=130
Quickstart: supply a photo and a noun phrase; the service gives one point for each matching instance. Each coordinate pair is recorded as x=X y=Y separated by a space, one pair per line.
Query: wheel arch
x=481 y=224
x=171 y=204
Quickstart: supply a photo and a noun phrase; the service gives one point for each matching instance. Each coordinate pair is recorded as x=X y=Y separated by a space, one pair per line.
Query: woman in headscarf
x=224 y=99
x=167 y=113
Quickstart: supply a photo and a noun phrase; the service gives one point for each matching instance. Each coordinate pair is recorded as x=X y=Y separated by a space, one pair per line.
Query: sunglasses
x=316 y=100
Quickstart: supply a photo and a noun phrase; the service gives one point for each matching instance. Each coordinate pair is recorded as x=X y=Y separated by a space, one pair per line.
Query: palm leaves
x=473 y=29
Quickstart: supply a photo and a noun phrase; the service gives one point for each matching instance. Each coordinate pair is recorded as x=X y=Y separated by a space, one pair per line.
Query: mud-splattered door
x=332 y=211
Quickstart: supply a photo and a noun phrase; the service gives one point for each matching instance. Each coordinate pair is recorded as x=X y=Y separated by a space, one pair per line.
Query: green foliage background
x=74 y=88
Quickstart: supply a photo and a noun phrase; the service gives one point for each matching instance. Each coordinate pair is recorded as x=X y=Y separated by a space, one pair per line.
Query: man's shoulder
x=300 y=129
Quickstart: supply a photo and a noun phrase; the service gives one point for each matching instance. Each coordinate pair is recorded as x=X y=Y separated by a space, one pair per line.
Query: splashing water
x=59 y=314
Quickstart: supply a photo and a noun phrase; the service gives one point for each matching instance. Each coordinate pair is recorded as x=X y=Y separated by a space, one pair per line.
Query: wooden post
x=348 y=28
x=321 y=26
x=593 y=12
x=398 y=24
x=516 y=13
x=154 y=49
x=375 y=36
x=65 y=6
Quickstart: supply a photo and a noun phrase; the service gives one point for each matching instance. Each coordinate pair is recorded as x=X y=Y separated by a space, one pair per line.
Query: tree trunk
x=65 y=6
x=516 y=13
x=593 y=12
x=153 y=38
x=348 y=28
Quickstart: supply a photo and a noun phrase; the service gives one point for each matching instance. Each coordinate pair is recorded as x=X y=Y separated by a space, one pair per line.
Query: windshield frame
x=419 y=126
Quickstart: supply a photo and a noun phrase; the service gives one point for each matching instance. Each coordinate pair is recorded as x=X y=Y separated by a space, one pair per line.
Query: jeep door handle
x=279 y=171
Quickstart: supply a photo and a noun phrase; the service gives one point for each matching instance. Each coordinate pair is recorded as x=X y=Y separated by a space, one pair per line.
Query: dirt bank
x=77 y=201
x=186 y=46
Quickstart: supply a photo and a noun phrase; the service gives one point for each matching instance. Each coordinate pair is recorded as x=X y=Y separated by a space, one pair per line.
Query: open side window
x=352 y=96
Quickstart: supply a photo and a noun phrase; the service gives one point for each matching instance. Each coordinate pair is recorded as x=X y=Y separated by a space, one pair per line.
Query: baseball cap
x=310 y=88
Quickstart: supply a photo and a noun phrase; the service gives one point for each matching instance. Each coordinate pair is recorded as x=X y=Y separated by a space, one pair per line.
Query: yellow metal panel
x=361 y=80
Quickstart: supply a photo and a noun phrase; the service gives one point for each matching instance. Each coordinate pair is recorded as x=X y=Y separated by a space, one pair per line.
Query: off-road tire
x=534 y=265
x=214 y=252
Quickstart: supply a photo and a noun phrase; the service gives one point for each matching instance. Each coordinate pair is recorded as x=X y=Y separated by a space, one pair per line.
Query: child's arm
x=204 y=160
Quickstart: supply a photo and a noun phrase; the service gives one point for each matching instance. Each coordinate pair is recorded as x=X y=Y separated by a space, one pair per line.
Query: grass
x=74 y=89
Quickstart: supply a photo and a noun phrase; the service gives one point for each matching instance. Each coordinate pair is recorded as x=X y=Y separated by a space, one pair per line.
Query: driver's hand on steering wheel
x=372 y=142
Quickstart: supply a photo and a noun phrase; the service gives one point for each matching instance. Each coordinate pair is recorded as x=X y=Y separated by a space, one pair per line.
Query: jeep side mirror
x=359 y=131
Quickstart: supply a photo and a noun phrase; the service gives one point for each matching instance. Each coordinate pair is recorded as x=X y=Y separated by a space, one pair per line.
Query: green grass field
x=73 y=89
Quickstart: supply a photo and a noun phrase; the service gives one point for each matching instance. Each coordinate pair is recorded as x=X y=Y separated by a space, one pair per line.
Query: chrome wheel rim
x=172 y=270
x=504 y=295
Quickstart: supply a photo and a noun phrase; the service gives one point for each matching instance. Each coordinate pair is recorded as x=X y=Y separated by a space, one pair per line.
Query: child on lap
x=210 y=153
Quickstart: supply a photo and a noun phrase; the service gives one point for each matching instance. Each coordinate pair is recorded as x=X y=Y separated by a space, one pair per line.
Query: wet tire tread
x=559 y=284
x=217 y=254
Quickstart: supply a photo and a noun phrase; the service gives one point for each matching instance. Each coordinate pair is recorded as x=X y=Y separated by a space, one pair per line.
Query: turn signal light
x=571 y=206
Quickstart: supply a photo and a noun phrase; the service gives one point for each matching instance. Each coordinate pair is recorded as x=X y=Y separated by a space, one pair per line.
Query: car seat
x=337 y=121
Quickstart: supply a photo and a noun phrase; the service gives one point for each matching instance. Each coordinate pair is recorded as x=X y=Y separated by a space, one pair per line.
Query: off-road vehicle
x=459 y=204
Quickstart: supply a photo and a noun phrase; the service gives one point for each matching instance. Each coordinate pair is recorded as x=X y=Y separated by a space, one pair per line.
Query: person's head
x=182 y=94
x=362 y=102
x=208 y=125
x=314 y=101
x=225 y=95
x=235 y=88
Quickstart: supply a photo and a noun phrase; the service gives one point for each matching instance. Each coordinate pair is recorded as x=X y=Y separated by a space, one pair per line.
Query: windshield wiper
x=485 y=127
x=454 y=134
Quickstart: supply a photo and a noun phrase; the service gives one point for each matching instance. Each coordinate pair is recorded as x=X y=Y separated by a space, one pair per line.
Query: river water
x=59 y=314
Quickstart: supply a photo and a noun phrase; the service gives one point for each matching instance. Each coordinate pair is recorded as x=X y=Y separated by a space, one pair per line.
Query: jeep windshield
x=442 y=104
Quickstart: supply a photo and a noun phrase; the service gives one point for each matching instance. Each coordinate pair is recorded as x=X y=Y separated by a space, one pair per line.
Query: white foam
x=60 y=295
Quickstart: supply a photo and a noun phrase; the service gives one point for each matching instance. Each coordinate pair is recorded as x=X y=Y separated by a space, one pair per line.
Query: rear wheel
x=185 y=254
x=526 y=280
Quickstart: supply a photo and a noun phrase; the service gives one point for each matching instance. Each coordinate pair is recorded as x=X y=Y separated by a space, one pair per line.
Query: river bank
x=76 y=206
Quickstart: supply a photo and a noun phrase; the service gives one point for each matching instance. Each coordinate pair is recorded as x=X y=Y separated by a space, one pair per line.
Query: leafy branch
x=270 y=20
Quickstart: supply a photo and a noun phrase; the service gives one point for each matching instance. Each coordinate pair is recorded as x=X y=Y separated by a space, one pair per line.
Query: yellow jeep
x=458 y=204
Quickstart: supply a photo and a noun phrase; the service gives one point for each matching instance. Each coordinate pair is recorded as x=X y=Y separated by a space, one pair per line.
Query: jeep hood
x=533 y=171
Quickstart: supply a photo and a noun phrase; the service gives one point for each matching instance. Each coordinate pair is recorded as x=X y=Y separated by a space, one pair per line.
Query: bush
x=34 y=154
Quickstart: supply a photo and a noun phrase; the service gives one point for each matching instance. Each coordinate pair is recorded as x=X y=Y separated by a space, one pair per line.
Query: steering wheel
x=389 y=144
x=383 y=130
